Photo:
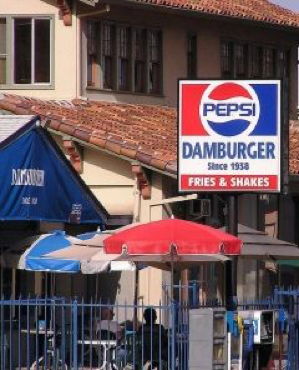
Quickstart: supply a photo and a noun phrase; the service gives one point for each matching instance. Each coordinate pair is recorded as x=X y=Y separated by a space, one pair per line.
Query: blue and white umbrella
x=35 y=257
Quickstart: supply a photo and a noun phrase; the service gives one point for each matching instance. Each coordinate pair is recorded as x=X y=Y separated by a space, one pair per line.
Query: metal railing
x=58 y=334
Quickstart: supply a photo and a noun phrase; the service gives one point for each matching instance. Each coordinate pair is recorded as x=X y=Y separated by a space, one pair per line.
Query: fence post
x=75 y=334
x=194 y=294
x=2 y=348
x=173 y=338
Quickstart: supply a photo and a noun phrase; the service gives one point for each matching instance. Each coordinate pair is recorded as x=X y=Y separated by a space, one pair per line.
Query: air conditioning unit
x=200 y=208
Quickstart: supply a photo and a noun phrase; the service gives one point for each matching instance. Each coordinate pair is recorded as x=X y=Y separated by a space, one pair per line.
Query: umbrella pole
x=135 y=319
x=232 y=266
x=171 y=281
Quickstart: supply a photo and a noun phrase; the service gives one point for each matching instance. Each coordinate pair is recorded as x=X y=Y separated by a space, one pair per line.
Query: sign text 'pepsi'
x=229 y=136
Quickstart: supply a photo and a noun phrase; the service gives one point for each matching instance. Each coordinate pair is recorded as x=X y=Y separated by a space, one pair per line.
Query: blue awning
x=38 y=183
x=34 y=259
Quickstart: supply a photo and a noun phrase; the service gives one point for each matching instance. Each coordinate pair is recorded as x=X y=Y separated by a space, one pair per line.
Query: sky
x=289 y=4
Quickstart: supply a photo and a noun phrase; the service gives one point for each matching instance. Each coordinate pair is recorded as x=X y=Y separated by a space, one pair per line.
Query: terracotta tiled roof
x=294 y=147
x=255 y=10
x=145 y=133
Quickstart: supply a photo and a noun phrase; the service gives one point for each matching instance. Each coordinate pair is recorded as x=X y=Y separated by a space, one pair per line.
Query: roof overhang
x=189 y=12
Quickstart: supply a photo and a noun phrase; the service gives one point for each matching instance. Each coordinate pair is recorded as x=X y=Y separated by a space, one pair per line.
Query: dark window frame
x=140 y=71
x=155 y=61
x=124 y=41
x=261 y=60
x=256 y=61
x=192 y=55
x=108 y=42
x=140 y=59
x=269 y=62
x=227 y=58
x=241 y=59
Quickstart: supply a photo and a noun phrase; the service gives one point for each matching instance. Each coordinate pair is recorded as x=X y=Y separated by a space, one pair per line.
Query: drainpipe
x=136 y=218
x=137 y=201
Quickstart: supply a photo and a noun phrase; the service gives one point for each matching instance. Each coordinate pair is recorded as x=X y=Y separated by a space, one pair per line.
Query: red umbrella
x=161 y=237
x=173 y=240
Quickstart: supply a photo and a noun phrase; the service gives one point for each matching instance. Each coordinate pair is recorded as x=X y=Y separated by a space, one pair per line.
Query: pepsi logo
x=229 y=109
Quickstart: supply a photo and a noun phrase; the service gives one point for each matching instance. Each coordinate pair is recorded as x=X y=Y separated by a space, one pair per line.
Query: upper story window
x=3 y=55
x=129 y=59
x=28 y=60
x=32 y=50
x=108 y=42
x=124 y=44
x=227 y=59
x=92 y=39
x=241 y=60
x=269 y=63
x=191 y=56
x=283 y=63
x=154 y=61
x=256 y=62
x=140 y=60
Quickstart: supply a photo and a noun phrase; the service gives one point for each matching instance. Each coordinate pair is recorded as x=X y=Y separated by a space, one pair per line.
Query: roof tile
x=98 y=141
x=254 y=10
x=139 y=132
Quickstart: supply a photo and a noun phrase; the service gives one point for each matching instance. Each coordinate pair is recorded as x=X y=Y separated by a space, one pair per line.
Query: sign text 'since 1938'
x=229 y=136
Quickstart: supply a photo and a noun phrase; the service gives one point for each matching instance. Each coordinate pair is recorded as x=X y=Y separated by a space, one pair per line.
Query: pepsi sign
x=229 y=136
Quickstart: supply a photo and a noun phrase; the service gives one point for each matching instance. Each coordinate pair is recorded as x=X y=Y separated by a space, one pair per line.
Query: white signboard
x=229 y=136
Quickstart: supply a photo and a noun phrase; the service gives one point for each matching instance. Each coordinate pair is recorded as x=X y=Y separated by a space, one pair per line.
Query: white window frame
x=4 y=56
x=32 y=83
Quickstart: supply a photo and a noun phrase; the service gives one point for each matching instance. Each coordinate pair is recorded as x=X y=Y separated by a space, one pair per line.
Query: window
x=140 y=58
x=283 y=63
x=241 y=60
x=227 y=69
x=191 y=56
x=122 y=57
x=32 y=51
x=256 y=62
x=3 y=55
x=26 y=52
x=92 y=56
x=269 y=63
x=154 y=61
x=108 y=55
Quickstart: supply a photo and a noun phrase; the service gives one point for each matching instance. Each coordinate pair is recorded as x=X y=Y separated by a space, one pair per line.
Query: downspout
x=137 y=201
x=136 y=218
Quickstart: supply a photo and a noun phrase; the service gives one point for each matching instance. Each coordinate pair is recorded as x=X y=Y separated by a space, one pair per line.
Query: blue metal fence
x=59 y=334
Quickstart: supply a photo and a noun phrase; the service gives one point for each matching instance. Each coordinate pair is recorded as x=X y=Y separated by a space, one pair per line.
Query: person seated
x=152 y=340
x=106 y=327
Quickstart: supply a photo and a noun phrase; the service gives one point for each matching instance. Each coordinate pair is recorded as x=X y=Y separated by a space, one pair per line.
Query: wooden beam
x=65 y=12
x=143 y=182
x=75 y=152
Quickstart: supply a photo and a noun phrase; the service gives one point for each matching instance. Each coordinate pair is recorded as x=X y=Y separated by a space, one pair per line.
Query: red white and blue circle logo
x=229 y=109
